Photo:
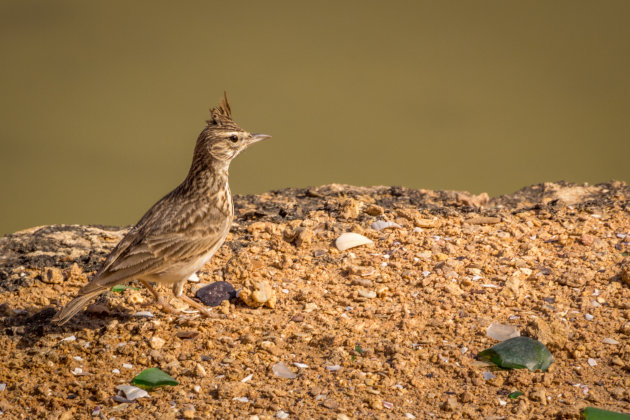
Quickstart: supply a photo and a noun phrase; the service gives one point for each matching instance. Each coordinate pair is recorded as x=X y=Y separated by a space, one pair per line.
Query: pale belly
x=179 y=272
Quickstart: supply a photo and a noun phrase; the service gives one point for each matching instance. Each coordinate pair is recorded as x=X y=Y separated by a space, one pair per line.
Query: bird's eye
x=233 y=138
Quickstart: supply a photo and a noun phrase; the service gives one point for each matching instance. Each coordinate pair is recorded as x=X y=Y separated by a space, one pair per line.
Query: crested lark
x=182 y=231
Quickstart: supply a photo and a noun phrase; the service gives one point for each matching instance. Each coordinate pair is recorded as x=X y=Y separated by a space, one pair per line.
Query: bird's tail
x=76 y=305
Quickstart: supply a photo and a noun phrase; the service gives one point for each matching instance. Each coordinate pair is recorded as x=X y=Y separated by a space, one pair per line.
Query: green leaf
x=119 y=288
x=153 y=378
x=592 y=413
x=514 y=395
x=358 y=349
x=518 y=353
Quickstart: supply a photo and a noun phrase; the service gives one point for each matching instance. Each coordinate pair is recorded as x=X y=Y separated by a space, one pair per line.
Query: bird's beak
x=255 y=137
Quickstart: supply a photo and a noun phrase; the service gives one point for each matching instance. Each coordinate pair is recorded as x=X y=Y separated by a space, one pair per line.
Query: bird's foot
x=167 y=307
x=202 y=309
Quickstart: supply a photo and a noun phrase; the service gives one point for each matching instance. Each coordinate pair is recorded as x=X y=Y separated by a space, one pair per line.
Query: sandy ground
x=384 y=330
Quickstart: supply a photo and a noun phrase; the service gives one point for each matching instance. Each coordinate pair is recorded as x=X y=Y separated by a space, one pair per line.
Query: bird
x=181 y=232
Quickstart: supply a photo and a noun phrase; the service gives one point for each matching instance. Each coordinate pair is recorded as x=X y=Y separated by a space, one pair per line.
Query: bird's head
x=222 y=139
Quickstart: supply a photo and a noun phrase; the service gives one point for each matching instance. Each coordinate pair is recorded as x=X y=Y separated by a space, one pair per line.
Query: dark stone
x=215 y=293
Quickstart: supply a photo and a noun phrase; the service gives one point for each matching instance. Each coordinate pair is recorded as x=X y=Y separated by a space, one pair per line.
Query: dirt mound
x=384 y=330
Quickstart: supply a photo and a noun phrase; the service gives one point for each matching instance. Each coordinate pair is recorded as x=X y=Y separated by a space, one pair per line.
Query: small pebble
x=241 y=399
x=200 y=371
x=592 y=362
x=609 y=340
x=215 y=293
x=247 y=378
x=258 y=293
x=301 y=365
x=157 y=343
x=194 y=278
x=502 y=332
x=371 y=294
x=310 y=307
x=3 y=387
x=331 y=404
x=132 y=392
x=282 y=415
x=333 y=368
x=281 y=370
x=188 y=412
x=589 y=317
x=144 y=314
x=127 y=366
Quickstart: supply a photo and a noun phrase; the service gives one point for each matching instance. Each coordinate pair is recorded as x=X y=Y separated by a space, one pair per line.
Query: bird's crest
x=221 y=116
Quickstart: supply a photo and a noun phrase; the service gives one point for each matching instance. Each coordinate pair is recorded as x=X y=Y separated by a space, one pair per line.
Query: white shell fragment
x=146 y=314
x=381 y=224
x=488 y=375
x=247 y=378
x=333 y=368
x=350 y=240
x=502 y=332
x=194 y=278
x=132 y=392
x=609 y=340
x=591 y=362
x=301 y=365
x=282 y=370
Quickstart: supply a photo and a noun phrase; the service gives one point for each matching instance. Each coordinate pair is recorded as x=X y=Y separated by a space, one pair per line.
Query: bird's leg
x=178 y=291
x=159 y=298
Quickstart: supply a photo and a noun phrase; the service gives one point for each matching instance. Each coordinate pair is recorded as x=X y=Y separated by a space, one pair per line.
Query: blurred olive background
x=101 y=102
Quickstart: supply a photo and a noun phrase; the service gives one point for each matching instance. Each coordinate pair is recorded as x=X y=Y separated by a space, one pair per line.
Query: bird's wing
x=156 y=253
x=165 y=235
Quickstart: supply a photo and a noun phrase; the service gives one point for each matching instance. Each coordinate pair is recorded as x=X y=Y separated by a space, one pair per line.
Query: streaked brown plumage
x=182 y=231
